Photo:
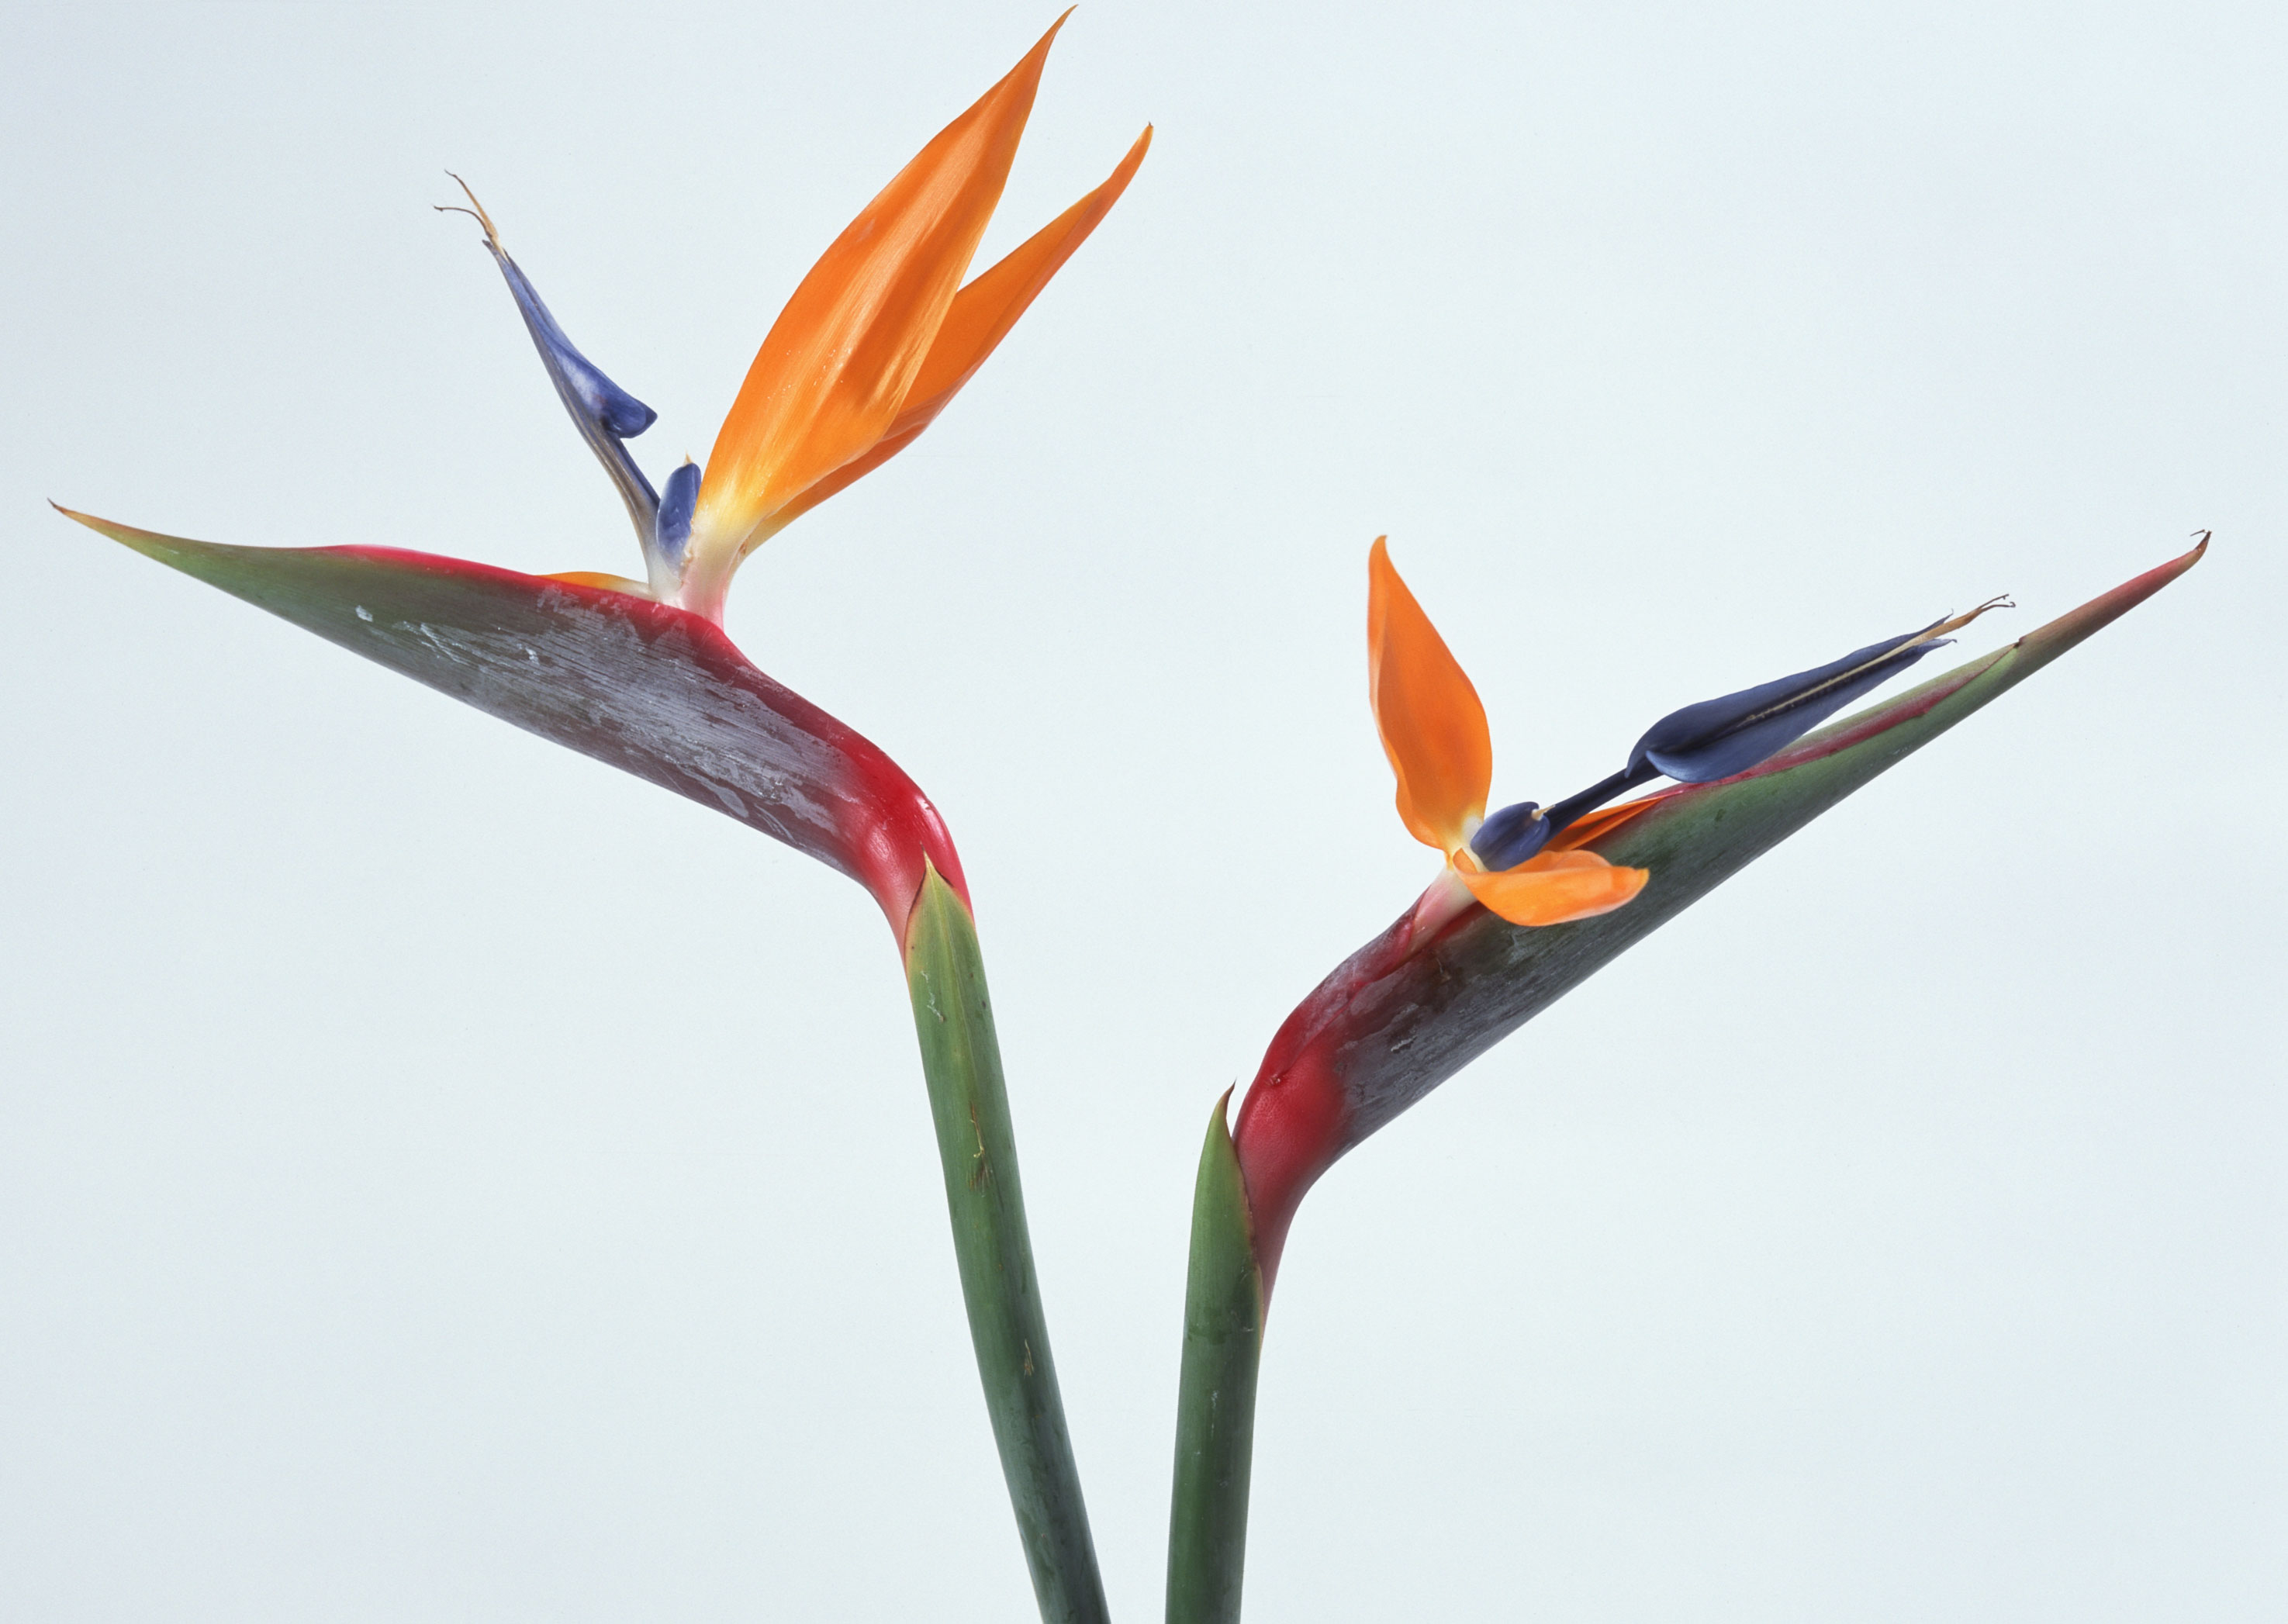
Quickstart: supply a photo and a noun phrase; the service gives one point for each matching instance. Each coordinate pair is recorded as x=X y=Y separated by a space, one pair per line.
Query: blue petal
x=1720 y=737
x=1510 y=836
x=603 y=412
x=588 y=394
x=673 y=530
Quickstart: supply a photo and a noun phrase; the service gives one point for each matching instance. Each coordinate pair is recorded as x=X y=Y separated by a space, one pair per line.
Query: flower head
x=877 y=338
x=1434 y=730
x=1445 y=982
x=880 y=336
x=1524 y=862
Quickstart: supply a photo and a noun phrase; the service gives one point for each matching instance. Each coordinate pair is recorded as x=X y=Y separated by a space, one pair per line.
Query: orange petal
x=1604 y=820
x=838 y=362
x=608 y=583
x=1433 y=728
x=1555 y=887
x=982 y=316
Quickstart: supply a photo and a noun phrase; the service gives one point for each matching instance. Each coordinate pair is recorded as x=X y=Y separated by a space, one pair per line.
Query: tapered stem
x=1215 y=1397
x=961 y=1058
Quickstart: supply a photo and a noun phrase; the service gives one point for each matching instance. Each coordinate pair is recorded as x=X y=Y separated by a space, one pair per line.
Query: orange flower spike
x=880 y=336
x=836 y=367
x=980 y=318
x=1433 y=726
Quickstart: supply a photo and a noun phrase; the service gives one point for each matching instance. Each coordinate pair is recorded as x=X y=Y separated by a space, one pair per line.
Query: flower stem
x=1215 y=1397
x=961 y=1058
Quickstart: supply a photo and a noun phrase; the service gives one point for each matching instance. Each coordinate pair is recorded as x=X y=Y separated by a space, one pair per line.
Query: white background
x=442 y=1179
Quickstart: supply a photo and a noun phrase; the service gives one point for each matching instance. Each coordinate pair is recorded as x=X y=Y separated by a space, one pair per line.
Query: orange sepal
x=982 y=316
x=1555 y=887
x=1433 y=726
x=839 y=361
x=602 y=581
x=1604 y=820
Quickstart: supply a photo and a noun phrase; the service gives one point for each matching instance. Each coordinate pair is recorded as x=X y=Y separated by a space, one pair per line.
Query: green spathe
x=650 y=689
x=1215 y=1409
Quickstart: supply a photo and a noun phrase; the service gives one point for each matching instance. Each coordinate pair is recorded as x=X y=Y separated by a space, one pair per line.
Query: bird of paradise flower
x=876 y=340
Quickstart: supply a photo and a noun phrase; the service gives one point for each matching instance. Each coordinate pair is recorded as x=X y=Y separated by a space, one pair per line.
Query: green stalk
x=1215 y=1395
x=961 y=1059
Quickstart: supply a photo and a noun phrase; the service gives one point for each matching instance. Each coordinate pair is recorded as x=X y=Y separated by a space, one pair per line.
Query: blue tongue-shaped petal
x=1719 y=737
x=673 y=532
x=605 y=413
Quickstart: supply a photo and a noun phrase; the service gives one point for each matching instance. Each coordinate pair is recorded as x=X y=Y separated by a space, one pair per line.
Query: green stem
x=962 y=1060
x=1215 y=1397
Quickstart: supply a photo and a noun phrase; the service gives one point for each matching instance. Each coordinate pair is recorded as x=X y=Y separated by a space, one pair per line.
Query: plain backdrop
x=442 y=1179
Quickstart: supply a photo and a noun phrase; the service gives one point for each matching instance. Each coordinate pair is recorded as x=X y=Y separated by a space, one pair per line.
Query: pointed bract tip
x=126 y=535
x=2046 y=643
